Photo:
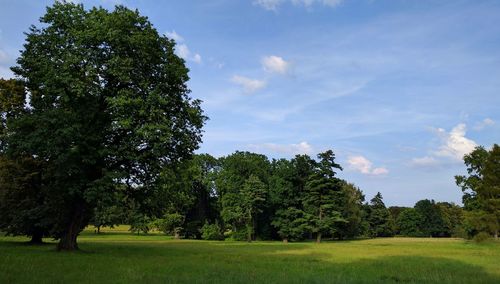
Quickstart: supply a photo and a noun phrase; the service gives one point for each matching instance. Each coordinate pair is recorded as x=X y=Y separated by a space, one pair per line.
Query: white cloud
x=249 y=85
x=332 y=3
x=483 y=124
x=380 y=171
x=293 y=149
x=268 y=4
x=181 y=49
x=175 y=36
x=365 y=166
x=196 y=58
x=455 y=144
x=275 y=64
x=426 y=161
x=273 y=5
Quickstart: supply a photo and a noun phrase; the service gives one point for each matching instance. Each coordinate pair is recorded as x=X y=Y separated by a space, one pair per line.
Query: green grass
x=119 y=257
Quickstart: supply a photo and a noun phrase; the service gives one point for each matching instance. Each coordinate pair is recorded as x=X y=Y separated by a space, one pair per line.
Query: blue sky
x=400 y=90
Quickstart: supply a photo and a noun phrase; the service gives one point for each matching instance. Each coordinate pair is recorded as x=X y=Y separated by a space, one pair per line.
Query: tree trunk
x=285 y=241
x=68 y=238
x=249 y=233
x=496 y=235
x=36 y=238
x=98 y=229
x=176 y=235
x=318 y=237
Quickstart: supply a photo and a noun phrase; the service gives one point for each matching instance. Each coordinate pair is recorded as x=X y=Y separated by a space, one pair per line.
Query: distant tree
x=205 y=207
x=234 y=175
x=379 y=218
x=322 y=192
x=253 y=196
x=140 y=223
x=290 y=223
x=453 y=217
x=351 y=207
x=432 y=223
x=170 y=224
x=286 y=191
x=409 y=223
x=107 y=216
x=22 y=198
x=211 y=232
x=481 y=188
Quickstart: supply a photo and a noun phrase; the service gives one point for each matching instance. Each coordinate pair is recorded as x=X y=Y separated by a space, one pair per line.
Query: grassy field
x=120 y=257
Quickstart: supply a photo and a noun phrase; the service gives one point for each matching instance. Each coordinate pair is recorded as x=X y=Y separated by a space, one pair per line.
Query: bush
x=170 y=224
x=481 y=237
x=211 y=232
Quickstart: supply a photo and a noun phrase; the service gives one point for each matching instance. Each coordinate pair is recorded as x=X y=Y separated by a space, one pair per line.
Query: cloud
x=275 y=64
x=365 y=166
x=181 y=49
x=272 y=5
x=268 y=4
x=249 y=85
x=380 y=171
x=427 y=161
x=455 y=145
x=175 y=36
x=483 y=124
x=292 y=149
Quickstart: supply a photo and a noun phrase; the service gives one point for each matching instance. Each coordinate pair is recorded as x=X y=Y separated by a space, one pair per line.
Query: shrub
x=481 y=237
x=211 y=232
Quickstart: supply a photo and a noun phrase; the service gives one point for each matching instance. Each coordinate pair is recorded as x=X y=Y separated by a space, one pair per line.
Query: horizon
x=399 y=91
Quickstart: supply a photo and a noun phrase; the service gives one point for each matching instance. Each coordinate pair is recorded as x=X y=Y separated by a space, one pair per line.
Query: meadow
x=117 y=256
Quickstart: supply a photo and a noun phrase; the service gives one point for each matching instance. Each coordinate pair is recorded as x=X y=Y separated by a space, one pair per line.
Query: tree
x=109 y=108
x=351 y=208
x=253 y=195
x=379 y=218
x=236 y=169
x=204 y=207
x=22 y=207
x=22 y=201
x=482 y=190
x=107 y=216
x=409 y=222
x=290 y=223
x=431 y=220
x=453 y=218
x=322 y=192
x=170 y=224
x=489 y=190
x=286 y=191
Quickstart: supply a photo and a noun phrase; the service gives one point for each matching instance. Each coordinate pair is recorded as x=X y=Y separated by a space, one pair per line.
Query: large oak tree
x=109 y=109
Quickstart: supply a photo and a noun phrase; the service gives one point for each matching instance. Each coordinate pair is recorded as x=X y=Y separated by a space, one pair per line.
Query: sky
x=399 y=89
